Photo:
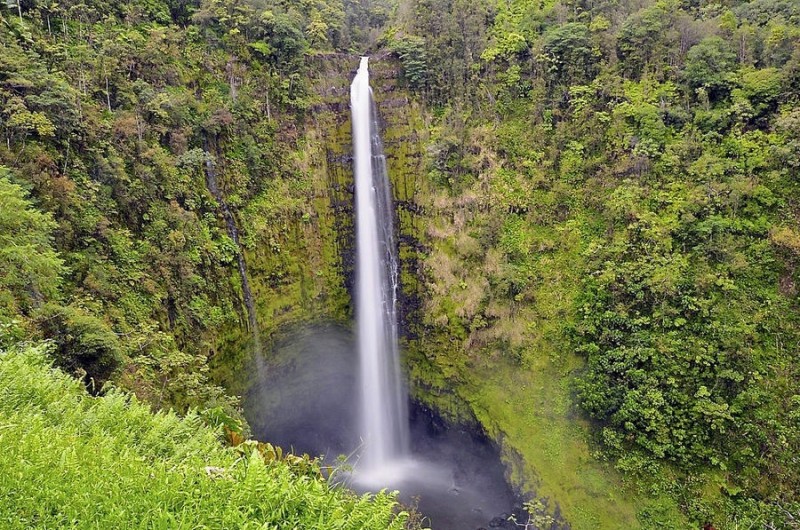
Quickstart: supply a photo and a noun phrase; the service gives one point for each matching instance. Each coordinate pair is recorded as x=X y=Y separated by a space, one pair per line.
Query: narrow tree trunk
x=269 y=112
x=108 y=95
x=138 y=128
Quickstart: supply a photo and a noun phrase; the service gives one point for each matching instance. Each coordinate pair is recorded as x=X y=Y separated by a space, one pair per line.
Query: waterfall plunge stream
x=384 y=418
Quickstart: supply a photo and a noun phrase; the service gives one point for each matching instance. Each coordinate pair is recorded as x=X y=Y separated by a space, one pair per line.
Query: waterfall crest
x=384 y=416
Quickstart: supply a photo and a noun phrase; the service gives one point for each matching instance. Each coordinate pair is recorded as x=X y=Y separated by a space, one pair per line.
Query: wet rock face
x=403 y=131
x=400 y=122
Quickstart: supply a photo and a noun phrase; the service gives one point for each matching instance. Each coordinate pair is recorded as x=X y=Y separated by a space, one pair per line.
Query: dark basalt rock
x=410 y=206
x=502 y=522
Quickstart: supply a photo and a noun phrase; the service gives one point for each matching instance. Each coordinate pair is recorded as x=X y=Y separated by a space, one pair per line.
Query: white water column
x=384 y=416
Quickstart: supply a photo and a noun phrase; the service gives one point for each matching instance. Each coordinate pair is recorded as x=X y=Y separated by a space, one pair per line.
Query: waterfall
x=383 y=397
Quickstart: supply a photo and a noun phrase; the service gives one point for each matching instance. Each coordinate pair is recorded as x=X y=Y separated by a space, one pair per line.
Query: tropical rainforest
x=599 y=226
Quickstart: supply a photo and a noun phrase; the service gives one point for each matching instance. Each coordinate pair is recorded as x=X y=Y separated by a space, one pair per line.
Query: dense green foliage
x=647 y=153
x=73 y=461
x=136 y=126
x=136 y=136
x=31 y=269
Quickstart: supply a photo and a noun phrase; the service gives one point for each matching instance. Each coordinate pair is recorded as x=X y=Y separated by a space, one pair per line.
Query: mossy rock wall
x=405 y=125
x=299 y=246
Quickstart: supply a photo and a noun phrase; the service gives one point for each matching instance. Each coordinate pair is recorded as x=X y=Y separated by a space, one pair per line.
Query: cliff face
x=301 y=265
x=299 y=239
x=461 y=340
x=405 y=133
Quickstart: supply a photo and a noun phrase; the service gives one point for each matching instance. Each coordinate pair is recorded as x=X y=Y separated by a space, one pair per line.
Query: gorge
x=455 y=479
x=595 y=212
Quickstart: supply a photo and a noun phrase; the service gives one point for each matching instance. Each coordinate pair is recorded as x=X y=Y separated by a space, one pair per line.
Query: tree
x=568 y=51
x=709 y=65
x=30 y=269
x=411 y=51
x=642 y=40
x=85 y=344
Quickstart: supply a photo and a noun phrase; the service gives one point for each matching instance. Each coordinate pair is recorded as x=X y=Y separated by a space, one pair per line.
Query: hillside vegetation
x=599 y=213
x=611 y=212
x=133 y=135
x=146 y=132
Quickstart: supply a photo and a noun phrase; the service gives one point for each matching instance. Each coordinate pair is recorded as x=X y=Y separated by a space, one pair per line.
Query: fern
x=70 y=460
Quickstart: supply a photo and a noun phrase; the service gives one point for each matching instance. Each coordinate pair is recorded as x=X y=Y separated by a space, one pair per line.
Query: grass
x=70 y=460
x=531 y=411
x=528 y=410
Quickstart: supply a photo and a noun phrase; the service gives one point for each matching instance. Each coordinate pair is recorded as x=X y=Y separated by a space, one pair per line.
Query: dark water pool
x=306 y=400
